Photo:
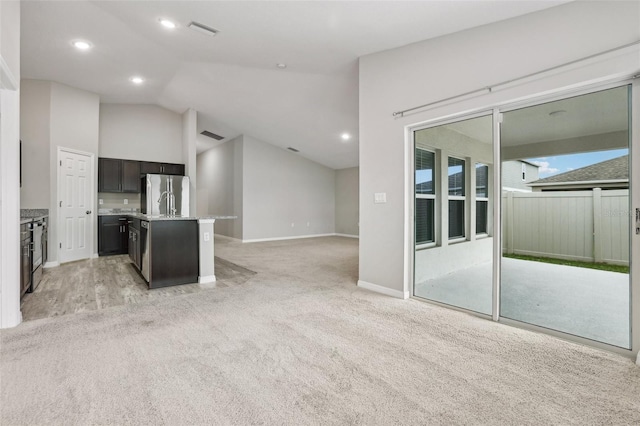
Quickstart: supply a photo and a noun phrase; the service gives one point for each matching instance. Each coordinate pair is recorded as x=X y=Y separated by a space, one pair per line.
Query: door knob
x=88 y=211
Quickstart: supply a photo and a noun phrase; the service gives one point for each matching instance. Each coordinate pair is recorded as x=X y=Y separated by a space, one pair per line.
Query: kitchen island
x=168 y=250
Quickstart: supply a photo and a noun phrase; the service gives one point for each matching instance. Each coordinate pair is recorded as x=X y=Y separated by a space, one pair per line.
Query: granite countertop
x=152 y=218
x=29 y=215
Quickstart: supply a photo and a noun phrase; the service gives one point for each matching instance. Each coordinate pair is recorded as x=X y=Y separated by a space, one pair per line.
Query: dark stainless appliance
x=25 y=258
x=165 y=195
x=45 y=241
x=145 y=251
x=134 y=242
x=36 y=227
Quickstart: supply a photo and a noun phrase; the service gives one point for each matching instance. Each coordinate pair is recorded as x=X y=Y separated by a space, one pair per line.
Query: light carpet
x=300 y=344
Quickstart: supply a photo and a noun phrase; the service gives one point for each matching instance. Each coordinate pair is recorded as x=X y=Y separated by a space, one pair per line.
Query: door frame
x=58 y=200
x=497 y=109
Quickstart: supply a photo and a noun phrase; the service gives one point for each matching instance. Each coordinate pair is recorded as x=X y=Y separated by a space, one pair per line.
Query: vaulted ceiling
x=231 y=79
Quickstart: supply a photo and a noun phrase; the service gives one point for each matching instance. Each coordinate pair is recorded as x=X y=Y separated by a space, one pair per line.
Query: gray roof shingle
x=614 y=169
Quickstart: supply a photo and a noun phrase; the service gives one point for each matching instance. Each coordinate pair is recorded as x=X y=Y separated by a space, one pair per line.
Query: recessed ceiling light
x=137 y=80
x=168 y=24
x=281 y=65
x=345 y=136
x=81 y=45
x=557 y=113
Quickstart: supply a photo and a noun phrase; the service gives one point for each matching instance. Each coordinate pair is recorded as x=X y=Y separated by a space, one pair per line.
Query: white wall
x=74 y=124
x=189 y=137
x=219 y=190
x=54 y=115
x=285 y=195
x=10 y=36
x=141 y=132
x=35 y=133
x=435 y=69
x=9 y=164
x=347 y=201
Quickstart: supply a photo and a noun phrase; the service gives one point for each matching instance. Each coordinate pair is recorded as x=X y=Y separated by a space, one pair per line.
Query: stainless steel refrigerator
x=165 y=195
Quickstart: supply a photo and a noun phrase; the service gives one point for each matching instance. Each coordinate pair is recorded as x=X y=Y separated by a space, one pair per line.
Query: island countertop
x=152 y=218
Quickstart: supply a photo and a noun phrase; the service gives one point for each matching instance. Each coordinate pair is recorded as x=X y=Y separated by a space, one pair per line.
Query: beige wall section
x=219 y=189
x=436 y=69
x=141 y=132
x=35 y=133
x=285 y=195
x=114 y=200
x=347 y=201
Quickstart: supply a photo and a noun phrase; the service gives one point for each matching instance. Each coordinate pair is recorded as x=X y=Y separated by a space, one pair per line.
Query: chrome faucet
x=169 y=197
x=171 y=202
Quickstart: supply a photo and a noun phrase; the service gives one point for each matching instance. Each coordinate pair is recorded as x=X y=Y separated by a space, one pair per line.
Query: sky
x=550 y=166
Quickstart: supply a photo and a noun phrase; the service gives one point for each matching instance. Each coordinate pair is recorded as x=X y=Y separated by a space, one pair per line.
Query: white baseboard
x=384 y=290
x=347 y=235
x=259 y=240
x=226 y=237
x=94 y=256
x=51 y=265
x=206 y=279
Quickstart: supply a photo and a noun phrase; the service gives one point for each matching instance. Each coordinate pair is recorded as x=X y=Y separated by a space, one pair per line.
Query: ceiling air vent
x=203 y=29
x=212 y=135
x=293 y=149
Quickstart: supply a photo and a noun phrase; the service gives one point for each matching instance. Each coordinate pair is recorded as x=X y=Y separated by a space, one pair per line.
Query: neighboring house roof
x=528 y=162
x=616 y=169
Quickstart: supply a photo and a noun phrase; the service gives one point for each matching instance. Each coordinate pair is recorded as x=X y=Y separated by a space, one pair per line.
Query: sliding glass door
x=565 y=215
x=453 y=213
x=564 y=252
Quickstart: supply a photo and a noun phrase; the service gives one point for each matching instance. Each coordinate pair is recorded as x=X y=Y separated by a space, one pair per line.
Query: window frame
x=482 y=199
x=463 y=198
x=434 y=197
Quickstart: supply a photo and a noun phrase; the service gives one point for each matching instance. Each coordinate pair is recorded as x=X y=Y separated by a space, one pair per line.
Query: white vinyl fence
x=591 y=226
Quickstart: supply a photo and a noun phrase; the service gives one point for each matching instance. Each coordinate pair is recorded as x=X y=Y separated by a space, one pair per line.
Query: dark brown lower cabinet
x=113 y=235
x=173 y=254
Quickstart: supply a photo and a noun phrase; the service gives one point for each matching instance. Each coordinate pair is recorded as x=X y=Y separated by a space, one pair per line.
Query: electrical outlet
x=126 y=201
x=101 y=201
x=308 y=224
x=206 y=236
x=293 y=224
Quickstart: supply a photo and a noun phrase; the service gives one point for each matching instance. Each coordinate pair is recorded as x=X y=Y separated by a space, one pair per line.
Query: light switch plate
x=126 y=201
x=101 y=201
x=380 y=197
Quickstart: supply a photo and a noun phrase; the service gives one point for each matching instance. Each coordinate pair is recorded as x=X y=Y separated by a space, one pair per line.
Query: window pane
x=482 y=179
x=456 y=219
x=425 y=223
x=481 y=217
x=424 y=172
x=549 y=227
x=456 y=176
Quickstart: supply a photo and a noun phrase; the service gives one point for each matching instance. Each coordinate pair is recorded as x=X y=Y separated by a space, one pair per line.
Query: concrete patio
x=584 y=302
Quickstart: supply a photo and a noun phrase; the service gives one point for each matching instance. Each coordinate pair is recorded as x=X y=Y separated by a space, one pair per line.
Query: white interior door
x=75 y=183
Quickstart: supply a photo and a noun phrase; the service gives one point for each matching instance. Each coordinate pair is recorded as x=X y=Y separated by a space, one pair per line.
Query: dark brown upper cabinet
x=109 y=175
x=161 y=168
x=116 y=175
x=130 y=176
